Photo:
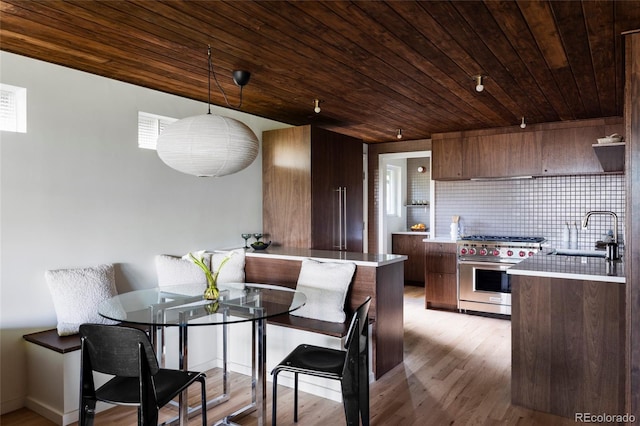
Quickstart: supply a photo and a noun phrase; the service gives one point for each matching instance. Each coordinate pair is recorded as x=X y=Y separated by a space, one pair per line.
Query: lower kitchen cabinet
x=413 y=247
x=568 y=338
x=441 y=282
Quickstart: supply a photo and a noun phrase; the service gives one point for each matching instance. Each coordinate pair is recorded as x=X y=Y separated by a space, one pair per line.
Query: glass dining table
x=184 y=306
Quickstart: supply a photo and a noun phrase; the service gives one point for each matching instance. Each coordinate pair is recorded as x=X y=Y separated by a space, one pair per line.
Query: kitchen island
x=568 y=331
x=380 y=276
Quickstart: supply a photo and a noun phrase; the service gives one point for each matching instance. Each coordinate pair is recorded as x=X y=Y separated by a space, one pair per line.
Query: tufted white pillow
x=173 y=270
x=77 y=293
x=326 y=285
x=233 y=269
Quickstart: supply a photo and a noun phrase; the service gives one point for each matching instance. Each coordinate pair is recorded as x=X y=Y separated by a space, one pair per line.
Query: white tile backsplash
x=532 y=207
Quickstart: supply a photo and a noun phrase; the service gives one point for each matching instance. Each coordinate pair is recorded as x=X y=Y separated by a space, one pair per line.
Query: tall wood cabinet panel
x=441 y=281
x=312 y=189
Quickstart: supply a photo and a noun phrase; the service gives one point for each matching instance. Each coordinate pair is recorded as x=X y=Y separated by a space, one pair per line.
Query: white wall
x=77 y=191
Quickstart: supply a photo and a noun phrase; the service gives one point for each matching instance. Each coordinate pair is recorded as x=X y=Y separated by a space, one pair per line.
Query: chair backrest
x=115 y=349
x=358 y=328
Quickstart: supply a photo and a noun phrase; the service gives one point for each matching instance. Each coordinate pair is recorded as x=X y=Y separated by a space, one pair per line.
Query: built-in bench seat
x=51 y=340
x=334 y=329
x=53 y=375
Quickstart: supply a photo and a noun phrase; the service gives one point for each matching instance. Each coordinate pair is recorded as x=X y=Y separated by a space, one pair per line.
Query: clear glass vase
x=212 y=292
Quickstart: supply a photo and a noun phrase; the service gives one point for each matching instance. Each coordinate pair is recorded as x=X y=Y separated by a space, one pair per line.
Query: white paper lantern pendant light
x=210 y=145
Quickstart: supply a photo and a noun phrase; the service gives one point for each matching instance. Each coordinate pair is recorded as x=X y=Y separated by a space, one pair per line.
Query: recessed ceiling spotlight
x=479 y=82
x=399 y=134
x=523 y=124
x=316 y=106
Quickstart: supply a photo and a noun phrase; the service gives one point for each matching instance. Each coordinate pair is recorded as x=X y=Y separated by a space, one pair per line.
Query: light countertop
x=363 y=259
x=439 y=240
x=423 y=233
x=570 y=267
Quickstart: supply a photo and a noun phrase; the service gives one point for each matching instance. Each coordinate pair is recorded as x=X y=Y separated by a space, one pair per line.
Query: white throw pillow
x=233 y=269
x=77 y=293
x=173 y=270
x=325 y=284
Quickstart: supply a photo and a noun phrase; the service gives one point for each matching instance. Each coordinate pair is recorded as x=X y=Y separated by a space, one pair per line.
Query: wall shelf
x=611 y=156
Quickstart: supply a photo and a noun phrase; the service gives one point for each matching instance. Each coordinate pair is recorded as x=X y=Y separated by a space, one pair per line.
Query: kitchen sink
x=580 y=253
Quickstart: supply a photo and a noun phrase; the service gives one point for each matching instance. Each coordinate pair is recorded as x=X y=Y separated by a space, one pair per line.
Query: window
x=149 y=127
x=394 y=190
x=13 y=108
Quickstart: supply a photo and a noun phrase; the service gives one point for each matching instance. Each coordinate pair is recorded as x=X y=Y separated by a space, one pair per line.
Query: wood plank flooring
x=456 y=371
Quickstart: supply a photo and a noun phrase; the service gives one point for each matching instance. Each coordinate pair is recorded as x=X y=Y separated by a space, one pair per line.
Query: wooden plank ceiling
x=376 y=66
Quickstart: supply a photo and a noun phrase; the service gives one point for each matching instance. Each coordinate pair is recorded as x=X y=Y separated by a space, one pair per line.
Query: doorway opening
x=406 y=195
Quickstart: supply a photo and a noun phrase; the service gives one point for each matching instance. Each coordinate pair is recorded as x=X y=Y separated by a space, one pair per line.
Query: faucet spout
x=585 y=221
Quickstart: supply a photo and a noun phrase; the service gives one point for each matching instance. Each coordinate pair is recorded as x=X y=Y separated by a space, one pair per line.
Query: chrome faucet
x=612 y=254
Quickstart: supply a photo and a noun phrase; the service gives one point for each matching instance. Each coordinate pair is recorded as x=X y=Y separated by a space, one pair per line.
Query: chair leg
x=274 y=403
x=295 y=397
x=351 y=412
x=87 y=412
x=203 y=411
x=363 y=391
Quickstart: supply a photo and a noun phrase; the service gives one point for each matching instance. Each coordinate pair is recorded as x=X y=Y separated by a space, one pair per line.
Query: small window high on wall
x=13 y=108
x=149 y=127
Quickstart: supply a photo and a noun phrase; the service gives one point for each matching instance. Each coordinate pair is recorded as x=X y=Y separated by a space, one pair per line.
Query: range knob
x=509 y=253
x=472 y=251
x=496 y=252
x=483 y=251
x=522 y=253
x=463 y=251
x=530 y=254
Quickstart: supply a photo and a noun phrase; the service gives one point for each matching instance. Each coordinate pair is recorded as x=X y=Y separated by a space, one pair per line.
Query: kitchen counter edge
x=362 y=259
x=570 y=267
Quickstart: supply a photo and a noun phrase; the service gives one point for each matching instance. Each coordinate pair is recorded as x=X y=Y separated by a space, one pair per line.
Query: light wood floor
x=456 y=371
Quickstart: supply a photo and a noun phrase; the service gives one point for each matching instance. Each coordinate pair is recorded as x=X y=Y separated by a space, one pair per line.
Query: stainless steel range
x=483 y=283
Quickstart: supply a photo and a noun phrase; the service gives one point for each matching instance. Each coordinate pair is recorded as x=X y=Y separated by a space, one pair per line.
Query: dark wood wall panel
x=632 y=251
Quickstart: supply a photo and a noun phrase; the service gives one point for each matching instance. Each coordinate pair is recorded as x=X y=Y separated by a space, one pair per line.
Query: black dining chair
x=127 y=354
x=350 y=366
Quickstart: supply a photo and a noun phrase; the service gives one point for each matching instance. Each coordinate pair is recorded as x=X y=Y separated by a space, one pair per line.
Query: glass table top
x=185 y=304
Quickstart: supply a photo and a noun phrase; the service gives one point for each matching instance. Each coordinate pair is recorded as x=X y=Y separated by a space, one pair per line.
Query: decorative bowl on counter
x=260 y=245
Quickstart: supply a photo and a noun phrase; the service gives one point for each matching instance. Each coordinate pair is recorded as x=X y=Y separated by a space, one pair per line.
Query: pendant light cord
x=212 y=71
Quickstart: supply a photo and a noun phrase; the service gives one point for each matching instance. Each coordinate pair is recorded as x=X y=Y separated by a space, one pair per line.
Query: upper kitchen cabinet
x=446 y=156
x=312 y=189
x=567 y=148
x=500 y=155
x=550 y=149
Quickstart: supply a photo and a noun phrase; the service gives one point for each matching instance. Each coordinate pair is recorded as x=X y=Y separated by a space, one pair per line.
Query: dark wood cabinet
x=568 y=345
x=550 y=149
x=413 y=247
x=446 y=163
x=499 y=155
x=312 y=189
x=441 y=282
x=569 y=150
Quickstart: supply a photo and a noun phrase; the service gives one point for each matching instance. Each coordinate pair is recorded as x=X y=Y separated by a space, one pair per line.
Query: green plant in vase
x=211 y=292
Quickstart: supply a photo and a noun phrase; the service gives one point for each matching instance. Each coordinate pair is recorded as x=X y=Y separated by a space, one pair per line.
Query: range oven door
x=484 y=287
